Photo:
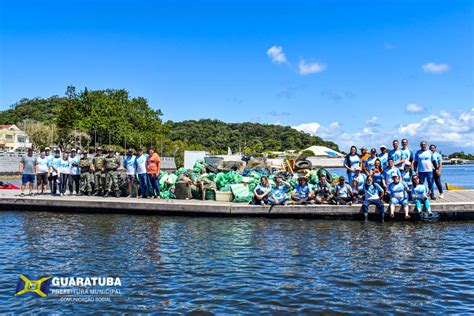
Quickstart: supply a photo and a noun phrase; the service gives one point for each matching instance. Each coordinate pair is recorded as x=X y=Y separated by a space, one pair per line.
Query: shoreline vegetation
x=90 y=118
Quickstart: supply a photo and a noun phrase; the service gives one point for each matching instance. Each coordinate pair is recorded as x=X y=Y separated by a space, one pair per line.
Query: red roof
x=6 y=126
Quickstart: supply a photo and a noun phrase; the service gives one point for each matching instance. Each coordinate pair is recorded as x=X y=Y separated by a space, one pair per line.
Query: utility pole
x=95 y=139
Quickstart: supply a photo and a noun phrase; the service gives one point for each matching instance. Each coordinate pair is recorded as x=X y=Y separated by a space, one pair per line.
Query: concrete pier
x=454 y=202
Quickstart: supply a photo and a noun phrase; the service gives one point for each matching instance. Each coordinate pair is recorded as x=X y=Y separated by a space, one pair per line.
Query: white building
x=12 y=138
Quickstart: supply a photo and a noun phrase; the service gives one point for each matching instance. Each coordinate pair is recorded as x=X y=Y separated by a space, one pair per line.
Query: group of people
x=398 y=176
x=76 y=172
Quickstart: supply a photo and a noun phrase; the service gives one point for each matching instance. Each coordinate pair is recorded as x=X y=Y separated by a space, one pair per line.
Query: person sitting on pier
x=351 y=162
x=420 y=196
x=372 y=196
x=398 y=195
x=278 y=193
x=358 y=184
x=262 y=192
x=302 y=193
x=343 y=193
x=406 y=176
x=424 y=165
x=323 y=192
x=389 y=172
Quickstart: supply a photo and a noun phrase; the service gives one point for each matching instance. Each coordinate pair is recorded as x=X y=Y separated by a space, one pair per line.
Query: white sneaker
x=441 y=196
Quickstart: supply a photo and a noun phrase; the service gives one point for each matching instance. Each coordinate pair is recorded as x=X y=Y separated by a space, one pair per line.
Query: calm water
x=246 y=265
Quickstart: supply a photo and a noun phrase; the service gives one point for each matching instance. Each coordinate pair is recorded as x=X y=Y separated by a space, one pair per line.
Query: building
x=13 y=139
x=325 y=157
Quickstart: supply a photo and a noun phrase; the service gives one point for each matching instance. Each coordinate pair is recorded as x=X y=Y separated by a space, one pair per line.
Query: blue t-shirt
x=141 y=163
x=406 y=177
x=324 y=189
x=302 y=192
x=129 y=163
x=64 y=166
x=384 y=160
x=354 y=161
x=424 y=160
x=378 y=176
x=395 y=155
x=360 y=180
x=55 y=163
x=408 y=155
x=342 y=190
x=389 y=173
x=438 y=158
x=420 y=191
x=372 y=192
x=263 y=189
x=74 y=162
x=397 y=190
x=279 y=191
x=370 y=163
x=42 y=164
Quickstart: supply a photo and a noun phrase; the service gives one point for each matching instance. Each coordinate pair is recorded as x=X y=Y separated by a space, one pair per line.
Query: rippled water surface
x=246 y=265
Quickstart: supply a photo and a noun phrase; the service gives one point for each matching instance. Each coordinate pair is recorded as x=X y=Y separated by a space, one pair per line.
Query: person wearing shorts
x=130 y=164
x=27 y=170
x=398 y=196
x=42 y=173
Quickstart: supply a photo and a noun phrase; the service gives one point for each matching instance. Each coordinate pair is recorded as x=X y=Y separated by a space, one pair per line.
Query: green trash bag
x=241 y=193
x=199 y=166
x=165 y=195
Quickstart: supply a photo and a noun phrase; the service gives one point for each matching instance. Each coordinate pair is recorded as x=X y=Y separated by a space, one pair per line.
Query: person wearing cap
x=343 y=192
x=323 y=191
x=351 y=161
x=74 y=172
x=407 y=155
x=398 y=195
x=424 y=165
x=302 y=193
x=42 y=173
x=278 y=193
x=396 y=155
x=55 y=162
x=364 y=155
x=64 y=169
x=140 y=162
x=383 y=156
x=111 y=164
x=370 y=162
x=262 y=192
x=99 y=172
x=27 y=170
x=49 y=158
x=372 y=196
x=357 y=184
x=130 y=164
x=86 y=177
x=153 y=171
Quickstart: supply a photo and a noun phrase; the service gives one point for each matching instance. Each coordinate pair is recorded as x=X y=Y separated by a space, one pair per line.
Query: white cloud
x=449 y=131
x=372 y=121
x=414 y=108
x=310 y=68
x=434 y=68
x=276 y=54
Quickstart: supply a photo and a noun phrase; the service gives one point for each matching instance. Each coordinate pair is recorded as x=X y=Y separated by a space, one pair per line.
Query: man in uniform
x=98 y=170
x=111 y=164
x=86 y=175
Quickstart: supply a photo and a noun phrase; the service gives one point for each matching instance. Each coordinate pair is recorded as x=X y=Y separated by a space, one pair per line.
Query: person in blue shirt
x=398 y=195
x=383 y=156
x=42 y=173
x=262 y=192
x=437 y=172
x=50 y=158
x=351 y=162
x=420 y=196
x=74 y=173
x=54 y=165
x=407 y=174
x=370 y=162
x=278 y=193
x=130 y=165
x=396 y=155
x=389 y=173
x=424 y=166
x=343 y=192
x=141 y=161
x=372 y=196
x=302 y=193
x=377 y=173
x=323 y=191
x=407 y=154
x=357 y=184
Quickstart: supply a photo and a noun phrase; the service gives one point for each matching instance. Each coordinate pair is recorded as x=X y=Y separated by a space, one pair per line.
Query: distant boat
x=453 y=188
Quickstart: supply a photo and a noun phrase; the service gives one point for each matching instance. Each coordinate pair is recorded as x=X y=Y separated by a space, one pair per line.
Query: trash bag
x=241 y=193
x=199 y=166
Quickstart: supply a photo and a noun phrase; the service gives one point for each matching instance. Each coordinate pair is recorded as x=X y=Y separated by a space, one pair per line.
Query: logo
x=39 y=287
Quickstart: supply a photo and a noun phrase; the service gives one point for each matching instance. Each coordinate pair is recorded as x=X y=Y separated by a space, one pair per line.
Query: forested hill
x=113 y=116
x=254 y=136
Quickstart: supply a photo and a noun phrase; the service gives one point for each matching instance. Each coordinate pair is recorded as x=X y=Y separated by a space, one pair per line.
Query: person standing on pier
x=369 y=163
x=383 y=156
x=64 y=170
x=396 y=155
x=49 y=158
x=407 y=155
x=153 y=171
x=98 y=170
x=75 y=173
x=27 y=169
x=55 y=162
x=86 y=174
x=437 y=173
x=42 y=173
x=351 y=162
x=425 y=164
x=141 y=161
x=111 y=164
x=130 y=164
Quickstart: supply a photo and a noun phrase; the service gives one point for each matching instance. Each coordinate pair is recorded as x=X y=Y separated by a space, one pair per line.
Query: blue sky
x=361 y=72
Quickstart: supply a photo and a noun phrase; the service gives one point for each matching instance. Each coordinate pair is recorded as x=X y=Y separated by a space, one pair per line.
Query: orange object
x=153 y=164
